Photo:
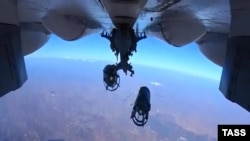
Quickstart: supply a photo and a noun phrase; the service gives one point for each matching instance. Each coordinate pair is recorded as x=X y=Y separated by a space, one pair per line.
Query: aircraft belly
x=8 y=6
x=35 y=10
x=125 y=12
x=214 y=14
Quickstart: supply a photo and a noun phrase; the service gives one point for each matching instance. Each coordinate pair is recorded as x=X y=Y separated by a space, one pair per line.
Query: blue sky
x=151 y=52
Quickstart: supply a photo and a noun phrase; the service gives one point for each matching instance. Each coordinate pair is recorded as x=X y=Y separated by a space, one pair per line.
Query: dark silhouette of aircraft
x=220 y=29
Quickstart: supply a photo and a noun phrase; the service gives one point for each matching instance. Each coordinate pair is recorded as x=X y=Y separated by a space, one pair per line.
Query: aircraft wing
x=188 y=21
x=214 y=16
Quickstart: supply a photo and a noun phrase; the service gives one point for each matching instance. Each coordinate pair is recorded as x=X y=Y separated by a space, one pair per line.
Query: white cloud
x=155 y=83
x=79 y=59
x=90 y=60
x=182 y=139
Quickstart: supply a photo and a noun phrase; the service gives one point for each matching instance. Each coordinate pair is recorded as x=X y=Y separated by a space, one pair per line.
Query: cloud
x=90 y=60
x=182 y=139
x=155 y=83
x=80 y=59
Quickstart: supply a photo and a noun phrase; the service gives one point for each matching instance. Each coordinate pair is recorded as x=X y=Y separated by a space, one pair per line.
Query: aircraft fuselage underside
x=123 y=39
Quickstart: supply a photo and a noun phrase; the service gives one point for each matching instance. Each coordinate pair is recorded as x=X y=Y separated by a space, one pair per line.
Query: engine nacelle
x=181 y=30
x=68 y=27
x=213 y=46
x=33 y=37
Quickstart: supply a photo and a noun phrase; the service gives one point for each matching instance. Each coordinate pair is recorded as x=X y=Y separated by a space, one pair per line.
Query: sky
x=150 y=52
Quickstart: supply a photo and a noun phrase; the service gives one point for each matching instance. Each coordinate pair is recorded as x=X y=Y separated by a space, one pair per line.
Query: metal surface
x=12 y=67
x=215 y=14
x=235 y=80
